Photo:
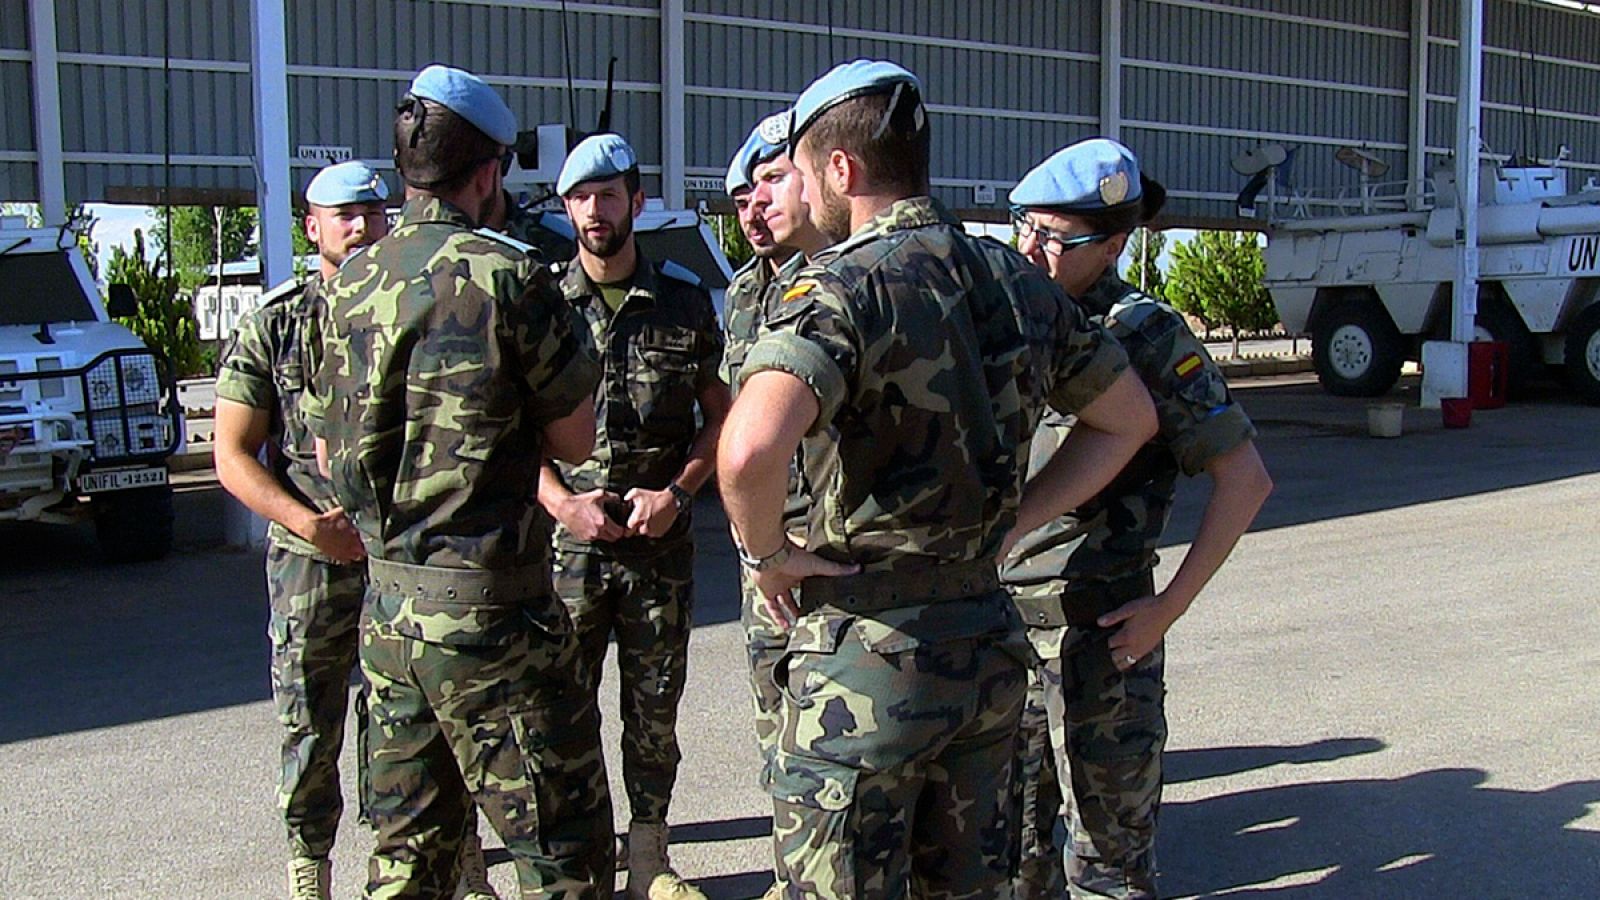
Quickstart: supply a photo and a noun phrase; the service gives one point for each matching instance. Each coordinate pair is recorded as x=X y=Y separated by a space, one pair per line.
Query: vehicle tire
x=1356 y=349
x=1497 y=320
x=134 y=525
x=1583 y=354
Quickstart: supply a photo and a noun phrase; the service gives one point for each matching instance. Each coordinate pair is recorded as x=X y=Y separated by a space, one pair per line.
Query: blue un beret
x=1095 y=175
x=847 y=81
x=596 y=156
x=346 y=182
x=469 y=97
x=765 y=142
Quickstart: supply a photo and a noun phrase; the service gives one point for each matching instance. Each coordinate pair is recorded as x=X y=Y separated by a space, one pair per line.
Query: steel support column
x=673 y=149
x=46 y=74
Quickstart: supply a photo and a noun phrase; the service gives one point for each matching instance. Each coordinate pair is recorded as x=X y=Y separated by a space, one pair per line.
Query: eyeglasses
x=1052 y=243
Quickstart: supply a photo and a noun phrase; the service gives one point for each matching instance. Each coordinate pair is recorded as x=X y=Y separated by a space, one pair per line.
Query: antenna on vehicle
x=604 y=125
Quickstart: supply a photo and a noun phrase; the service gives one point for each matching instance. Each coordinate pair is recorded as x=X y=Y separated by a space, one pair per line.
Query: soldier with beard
x=313 y=583
x=624 y=539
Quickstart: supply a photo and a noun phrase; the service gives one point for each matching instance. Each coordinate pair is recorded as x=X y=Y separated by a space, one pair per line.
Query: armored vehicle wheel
x=1356 y=349
x=134 y=525
x=1583 y=354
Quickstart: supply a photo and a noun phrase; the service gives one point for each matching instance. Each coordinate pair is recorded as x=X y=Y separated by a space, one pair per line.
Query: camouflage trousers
x=1106 y=730
x=647 y=603
x=893 y=769
x=765 y=642
x=501 y=720
x=315 y=614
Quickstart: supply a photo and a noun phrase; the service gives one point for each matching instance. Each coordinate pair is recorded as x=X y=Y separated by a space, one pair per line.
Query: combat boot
x=650 y=875
x=474 y=881
x=310 y=878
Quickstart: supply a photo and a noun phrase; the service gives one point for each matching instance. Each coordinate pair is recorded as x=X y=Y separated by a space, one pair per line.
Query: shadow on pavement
x=92 y=645
x=726 y=830
x=1326 y=466
x=1438 y=833
x=1180 y=766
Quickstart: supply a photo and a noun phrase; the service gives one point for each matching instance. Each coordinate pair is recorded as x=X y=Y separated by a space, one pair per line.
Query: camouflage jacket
x=750 y=298
x=930 y=353
x=529 y=226
x=446 y=353
x=1116 y=534
x=657 y=353
x=263 y=368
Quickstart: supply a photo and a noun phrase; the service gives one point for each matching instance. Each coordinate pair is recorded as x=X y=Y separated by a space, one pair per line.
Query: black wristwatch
x=680 y=497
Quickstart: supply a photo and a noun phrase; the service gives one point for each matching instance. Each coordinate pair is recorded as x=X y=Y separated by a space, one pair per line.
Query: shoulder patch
x=673 y=270
x=509 y=241
x=1187 y=366
x=799 y=290
x=285 y=291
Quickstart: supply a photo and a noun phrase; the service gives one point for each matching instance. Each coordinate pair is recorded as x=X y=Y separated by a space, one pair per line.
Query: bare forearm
x=762 y=431
x=1240 y=485
x=243 y=476
x=1084 y=463
x=552 y=490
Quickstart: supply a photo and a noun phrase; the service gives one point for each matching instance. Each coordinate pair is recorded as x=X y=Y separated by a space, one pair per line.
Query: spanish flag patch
x=1187 y=366
x=798 y=291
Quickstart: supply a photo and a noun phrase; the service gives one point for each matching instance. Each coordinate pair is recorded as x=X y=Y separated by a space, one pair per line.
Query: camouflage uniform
x=315 y=602
x=657 y=352
x=929 y=352
x=1108 y=727
x=447 y=353
x=527 y=225
x=754 y=292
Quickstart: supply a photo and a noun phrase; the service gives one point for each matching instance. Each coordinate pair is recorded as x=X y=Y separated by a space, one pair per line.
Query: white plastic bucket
x=1385 y=420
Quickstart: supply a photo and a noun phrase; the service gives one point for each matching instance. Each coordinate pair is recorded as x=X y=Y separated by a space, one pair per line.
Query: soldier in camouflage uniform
x=314 y=585
x=448 y=371
x=624 y=539
x=1084 y=582
x=928 y=352
x=764 y=183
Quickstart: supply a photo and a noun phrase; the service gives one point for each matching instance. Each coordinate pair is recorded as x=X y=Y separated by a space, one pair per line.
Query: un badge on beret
x=774 y=129
x=1114 y=188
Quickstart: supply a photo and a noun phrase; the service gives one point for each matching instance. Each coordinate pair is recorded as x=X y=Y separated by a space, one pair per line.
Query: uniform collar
x=1106 y=292
x=426 y=209
x=901 y=215
x=578 y=287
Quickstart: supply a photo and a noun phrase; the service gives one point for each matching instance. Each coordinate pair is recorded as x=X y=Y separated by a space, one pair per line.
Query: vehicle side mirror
x=121 y=302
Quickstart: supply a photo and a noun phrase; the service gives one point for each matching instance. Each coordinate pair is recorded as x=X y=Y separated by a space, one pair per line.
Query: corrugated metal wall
x=16 y=99
x=1200 y=80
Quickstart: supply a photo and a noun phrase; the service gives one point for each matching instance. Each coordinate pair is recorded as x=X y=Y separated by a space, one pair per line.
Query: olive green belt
x=486 y=587
x=1082 y=605
x=878 y=591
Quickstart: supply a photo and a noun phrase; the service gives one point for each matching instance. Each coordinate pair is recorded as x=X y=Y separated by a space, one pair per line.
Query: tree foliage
x=735 y=246
x=204 y=237
x=1217 y=278
x=165 y=319
x=1144 y=250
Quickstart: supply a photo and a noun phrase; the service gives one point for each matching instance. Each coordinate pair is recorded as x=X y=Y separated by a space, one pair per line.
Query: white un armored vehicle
x=88 y=414
x=1373 y=281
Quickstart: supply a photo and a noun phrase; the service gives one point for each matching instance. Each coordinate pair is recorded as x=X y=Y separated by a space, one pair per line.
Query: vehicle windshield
x=41 y=287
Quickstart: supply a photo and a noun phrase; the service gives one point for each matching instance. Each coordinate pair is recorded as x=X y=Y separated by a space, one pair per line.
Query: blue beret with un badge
x=469 y=97
x=1090 y=176
x=596 y=157
x=850 y=80
x=344 y=183
x=766 y=141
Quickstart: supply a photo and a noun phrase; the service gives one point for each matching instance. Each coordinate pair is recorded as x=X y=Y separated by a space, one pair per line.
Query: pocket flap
x=816 y=783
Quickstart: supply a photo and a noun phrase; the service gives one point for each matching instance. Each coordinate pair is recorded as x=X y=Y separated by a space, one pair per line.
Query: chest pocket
x=663 y=367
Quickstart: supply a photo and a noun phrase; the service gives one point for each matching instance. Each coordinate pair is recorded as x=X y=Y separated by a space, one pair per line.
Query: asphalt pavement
x=1388 y=692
